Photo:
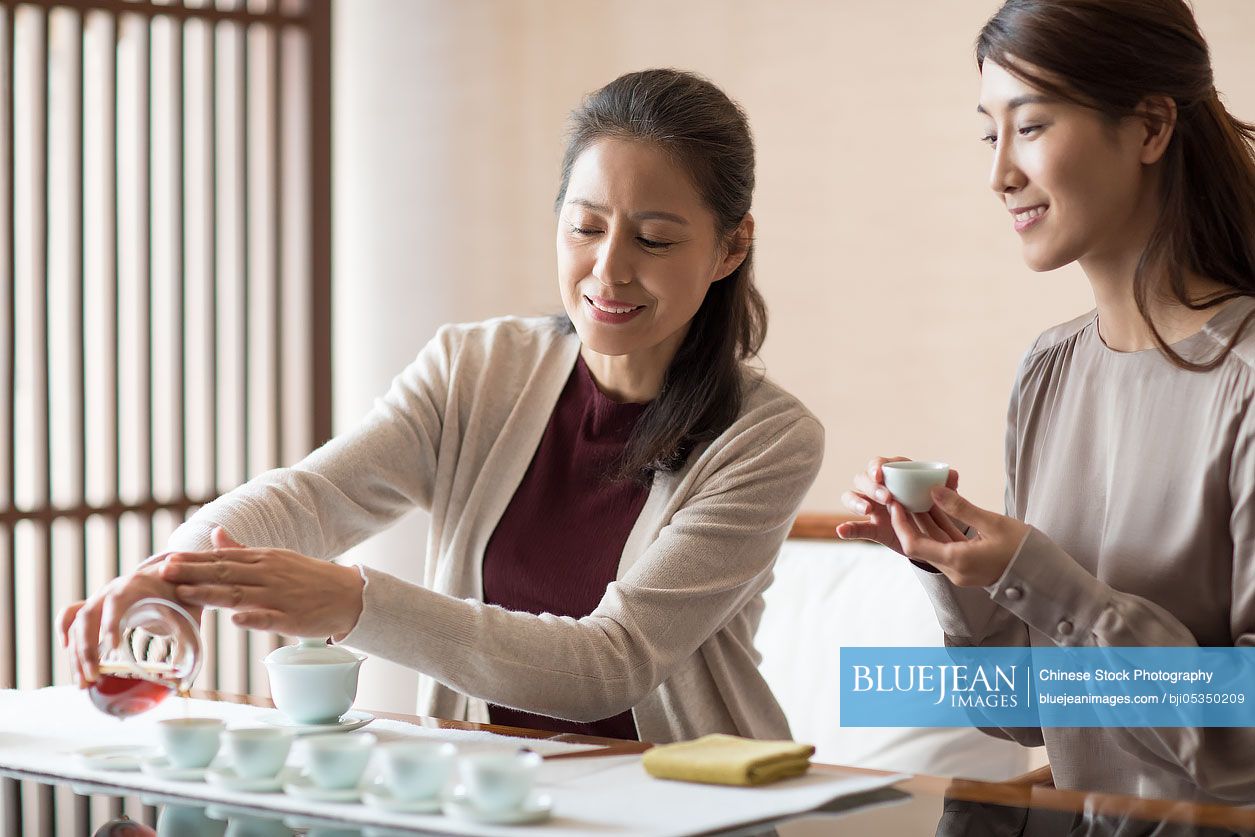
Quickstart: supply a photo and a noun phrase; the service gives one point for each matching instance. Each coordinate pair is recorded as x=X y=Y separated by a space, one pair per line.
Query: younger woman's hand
x=269 y=589
x=870 y=497
x=977 y=560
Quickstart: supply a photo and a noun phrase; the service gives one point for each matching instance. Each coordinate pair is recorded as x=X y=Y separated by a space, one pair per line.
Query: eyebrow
x=1028 y=99
x=651 y=215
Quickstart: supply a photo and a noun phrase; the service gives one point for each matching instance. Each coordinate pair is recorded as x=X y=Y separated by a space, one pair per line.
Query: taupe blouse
x=1138 y=478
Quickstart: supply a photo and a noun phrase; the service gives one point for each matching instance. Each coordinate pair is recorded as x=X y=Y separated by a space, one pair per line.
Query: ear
x=739 y=242
x=1157 y=119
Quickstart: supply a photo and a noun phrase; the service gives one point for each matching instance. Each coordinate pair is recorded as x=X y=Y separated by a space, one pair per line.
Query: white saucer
x=159 y=767
x=351 y=720
x=226 y=777
x=538 y=807
x=303 y=787
x=119 y=757
x=378 y=796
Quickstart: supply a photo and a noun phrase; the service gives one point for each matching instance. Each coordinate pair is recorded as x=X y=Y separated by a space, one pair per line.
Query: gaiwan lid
x=310 y=651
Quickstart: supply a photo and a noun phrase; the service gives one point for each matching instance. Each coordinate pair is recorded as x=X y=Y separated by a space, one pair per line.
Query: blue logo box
x=1047 y=687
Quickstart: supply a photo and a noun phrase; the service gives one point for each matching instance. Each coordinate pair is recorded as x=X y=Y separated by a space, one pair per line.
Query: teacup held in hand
x=911 y=483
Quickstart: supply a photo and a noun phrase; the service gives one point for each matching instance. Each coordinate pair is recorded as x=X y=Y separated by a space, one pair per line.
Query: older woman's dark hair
x=1112 y=55
x=705 y=132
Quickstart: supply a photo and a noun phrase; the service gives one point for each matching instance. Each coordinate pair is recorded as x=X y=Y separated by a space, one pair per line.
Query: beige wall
x=899 y=302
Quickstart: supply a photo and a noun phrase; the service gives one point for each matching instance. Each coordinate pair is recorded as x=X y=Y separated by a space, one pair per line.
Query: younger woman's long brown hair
x=1111 y=55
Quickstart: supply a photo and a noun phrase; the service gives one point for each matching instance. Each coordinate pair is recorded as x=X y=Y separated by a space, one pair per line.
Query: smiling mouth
x=1029 y=214
x=612 y=308
x=1025 y=219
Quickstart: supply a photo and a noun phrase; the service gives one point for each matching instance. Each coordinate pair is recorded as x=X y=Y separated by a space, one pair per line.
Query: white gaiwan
x=313 y=682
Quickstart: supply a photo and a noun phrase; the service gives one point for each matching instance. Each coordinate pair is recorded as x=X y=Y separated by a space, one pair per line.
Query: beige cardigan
x=671 y=639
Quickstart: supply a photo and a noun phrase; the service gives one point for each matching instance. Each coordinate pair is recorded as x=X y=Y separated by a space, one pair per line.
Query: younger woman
x=1130 y=450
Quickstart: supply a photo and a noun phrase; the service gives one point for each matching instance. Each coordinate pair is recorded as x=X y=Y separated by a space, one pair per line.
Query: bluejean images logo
x=936 y=687
x=1048 y=687
x=961 y=685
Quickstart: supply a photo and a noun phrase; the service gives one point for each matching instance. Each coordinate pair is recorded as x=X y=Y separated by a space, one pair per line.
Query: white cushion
x=829 y=594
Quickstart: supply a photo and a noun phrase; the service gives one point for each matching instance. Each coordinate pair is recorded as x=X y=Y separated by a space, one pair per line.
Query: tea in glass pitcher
x=159 y=655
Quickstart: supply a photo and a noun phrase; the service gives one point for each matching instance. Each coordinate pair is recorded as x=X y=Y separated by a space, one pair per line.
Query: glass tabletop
x=52 y=807
x=49 y=807
x=947 y=817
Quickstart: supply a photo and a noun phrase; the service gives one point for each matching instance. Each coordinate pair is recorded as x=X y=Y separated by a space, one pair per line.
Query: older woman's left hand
x=269 y=589
x=976 y=561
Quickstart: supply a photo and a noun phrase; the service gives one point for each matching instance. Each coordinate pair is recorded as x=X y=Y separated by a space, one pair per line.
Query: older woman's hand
x=82 y=625
x=269 y=589
x=975 y=560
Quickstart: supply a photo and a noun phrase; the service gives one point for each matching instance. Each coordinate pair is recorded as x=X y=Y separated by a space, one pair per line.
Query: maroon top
x=559 y=542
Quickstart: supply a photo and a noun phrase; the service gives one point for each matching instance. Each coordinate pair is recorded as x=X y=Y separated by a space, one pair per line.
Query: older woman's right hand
x=871 y=498
x=83 y=624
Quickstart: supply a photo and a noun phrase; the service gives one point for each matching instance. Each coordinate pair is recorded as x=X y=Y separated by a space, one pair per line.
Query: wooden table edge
x=1089 y=802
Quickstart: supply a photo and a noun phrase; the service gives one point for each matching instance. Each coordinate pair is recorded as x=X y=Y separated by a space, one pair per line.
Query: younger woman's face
x=1074 y=184
x=637 y=249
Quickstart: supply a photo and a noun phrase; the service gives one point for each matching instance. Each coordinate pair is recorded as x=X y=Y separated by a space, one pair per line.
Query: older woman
x=608 y=490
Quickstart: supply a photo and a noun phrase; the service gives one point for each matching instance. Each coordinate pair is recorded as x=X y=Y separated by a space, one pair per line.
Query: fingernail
x=882 y=495
x=862 y=508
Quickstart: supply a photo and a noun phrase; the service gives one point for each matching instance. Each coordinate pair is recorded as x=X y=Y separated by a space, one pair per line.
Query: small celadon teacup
x=497 y=782
x=416 y=770
x=190 y=742
x=911 y=483
x=257 y=753
x=336 y=761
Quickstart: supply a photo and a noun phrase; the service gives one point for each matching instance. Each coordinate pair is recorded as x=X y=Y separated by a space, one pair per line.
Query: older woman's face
x=637 y=248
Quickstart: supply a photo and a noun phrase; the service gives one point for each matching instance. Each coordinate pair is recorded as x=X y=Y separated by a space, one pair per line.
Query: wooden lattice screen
x=164 y=296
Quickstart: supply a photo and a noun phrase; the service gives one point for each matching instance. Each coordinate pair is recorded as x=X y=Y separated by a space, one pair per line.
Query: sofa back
x=828 y=594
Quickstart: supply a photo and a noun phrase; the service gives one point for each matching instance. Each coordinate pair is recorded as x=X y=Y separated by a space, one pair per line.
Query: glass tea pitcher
x=159 y=655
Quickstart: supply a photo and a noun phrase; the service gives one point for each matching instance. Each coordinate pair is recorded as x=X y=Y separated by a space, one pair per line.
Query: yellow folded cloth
x=728 y=760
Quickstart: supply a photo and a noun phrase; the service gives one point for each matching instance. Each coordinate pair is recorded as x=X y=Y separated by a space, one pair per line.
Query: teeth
x=627 y=310
x=1029 y=214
